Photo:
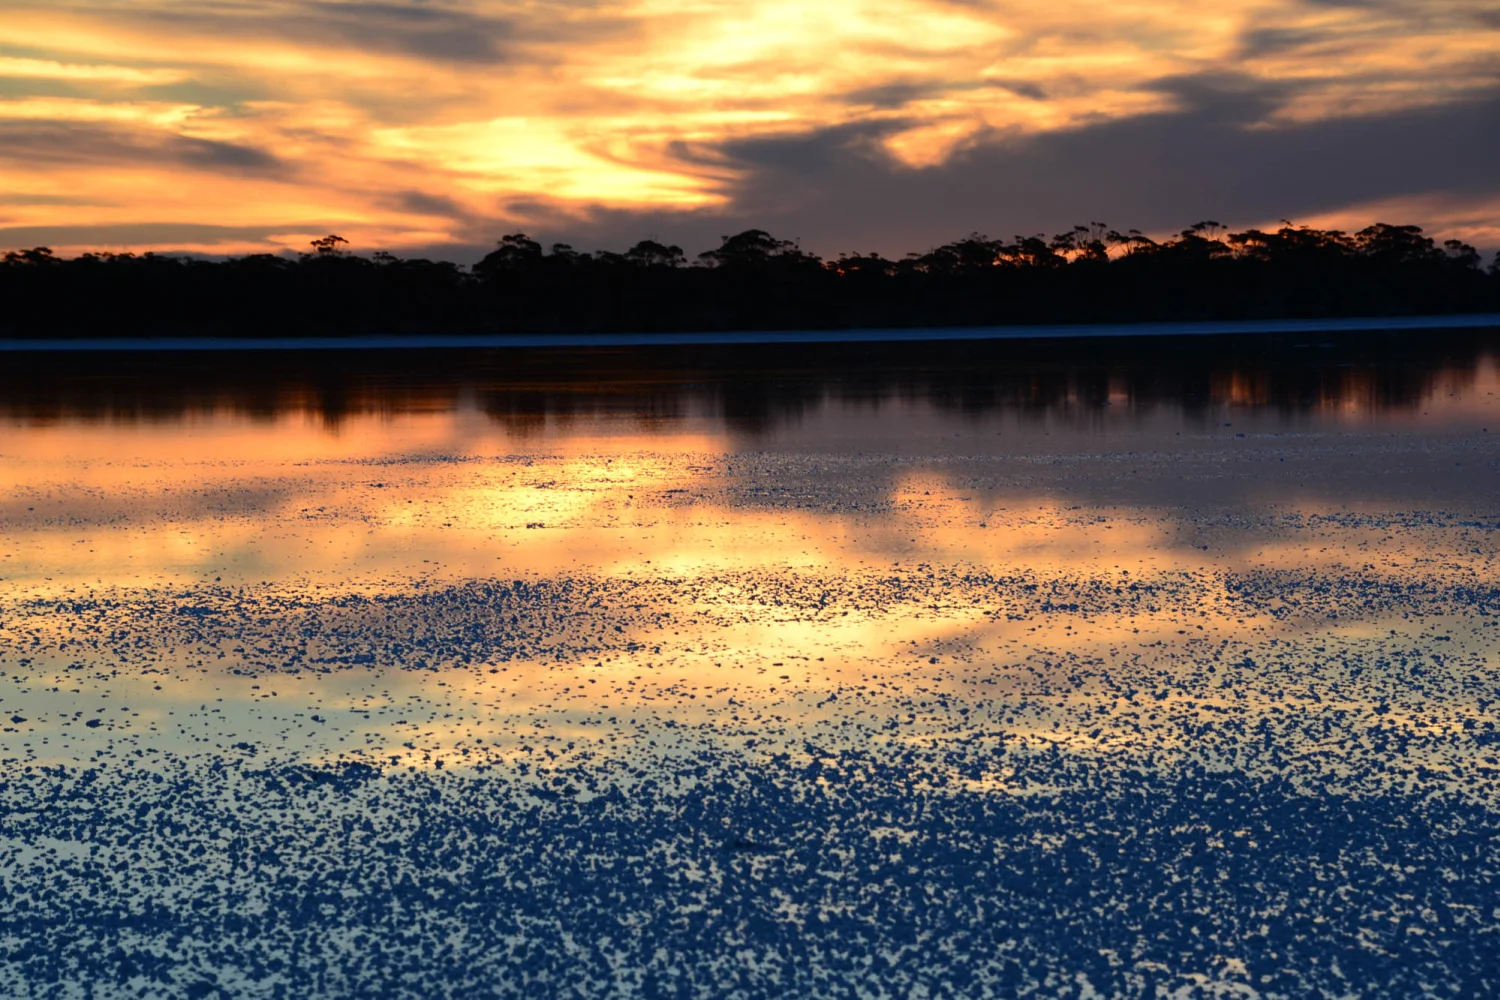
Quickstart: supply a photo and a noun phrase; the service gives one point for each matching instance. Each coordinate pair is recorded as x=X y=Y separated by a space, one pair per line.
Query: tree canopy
x=753 y=280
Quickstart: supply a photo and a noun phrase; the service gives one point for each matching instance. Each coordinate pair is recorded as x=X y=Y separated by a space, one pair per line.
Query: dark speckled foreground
x=844 y=877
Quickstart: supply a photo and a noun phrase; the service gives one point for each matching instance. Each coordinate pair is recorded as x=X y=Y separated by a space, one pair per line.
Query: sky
x=436 y=126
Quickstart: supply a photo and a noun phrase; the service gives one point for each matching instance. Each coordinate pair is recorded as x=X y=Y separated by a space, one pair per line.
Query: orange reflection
x=895 y=581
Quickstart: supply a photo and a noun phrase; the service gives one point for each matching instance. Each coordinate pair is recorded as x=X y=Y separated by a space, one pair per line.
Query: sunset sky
x=230 y=126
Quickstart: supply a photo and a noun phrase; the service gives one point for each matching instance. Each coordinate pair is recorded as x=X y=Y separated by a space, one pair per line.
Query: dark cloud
x=1272 y=41
x=1358 y=4
x=26 y=86
x=427 y=30
x=892 y=95
x=207 y=95
x=131 y=234
x=1021 y=88
x=899 y=93
x=420 y=29
x=32 y=143
x=1232 y=100
x=838 y=191
x=207 y=153
x=12 y=198
x=427 y=204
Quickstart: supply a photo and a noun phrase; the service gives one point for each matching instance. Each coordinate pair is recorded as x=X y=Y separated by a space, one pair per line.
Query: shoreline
x=887 y=335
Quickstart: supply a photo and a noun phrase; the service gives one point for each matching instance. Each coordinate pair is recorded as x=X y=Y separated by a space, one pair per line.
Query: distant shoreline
x=889 y=335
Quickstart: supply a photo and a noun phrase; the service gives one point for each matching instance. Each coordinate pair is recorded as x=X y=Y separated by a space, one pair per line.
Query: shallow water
x=1137 y=669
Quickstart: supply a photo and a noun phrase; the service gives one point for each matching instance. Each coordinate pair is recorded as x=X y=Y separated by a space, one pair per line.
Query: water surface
x=1108 y=668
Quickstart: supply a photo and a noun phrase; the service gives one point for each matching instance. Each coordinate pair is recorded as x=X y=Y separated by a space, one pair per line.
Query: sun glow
x=256 y=122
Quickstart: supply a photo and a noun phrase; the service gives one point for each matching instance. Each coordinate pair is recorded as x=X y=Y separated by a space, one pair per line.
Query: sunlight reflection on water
x=880 y=542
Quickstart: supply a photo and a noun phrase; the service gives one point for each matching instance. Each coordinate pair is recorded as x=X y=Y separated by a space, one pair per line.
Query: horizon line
x=709 y=338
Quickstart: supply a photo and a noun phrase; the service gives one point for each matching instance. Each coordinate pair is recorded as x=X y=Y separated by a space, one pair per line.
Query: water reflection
x=946 y=631
x=364 y=524
x=755 y=392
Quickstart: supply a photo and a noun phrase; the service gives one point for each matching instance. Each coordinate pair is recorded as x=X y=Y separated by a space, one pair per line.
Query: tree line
x=753 y=280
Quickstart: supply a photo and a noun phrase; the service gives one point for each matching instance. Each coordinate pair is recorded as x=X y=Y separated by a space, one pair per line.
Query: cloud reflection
x=464 y=579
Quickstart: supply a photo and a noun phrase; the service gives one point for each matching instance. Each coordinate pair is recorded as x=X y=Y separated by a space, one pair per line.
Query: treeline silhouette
x=752 y=281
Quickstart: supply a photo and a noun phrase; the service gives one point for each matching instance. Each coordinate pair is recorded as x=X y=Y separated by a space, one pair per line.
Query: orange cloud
x=290 y=117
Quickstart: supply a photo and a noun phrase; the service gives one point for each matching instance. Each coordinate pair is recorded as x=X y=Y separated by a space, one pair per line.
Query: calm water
x=1130 y=668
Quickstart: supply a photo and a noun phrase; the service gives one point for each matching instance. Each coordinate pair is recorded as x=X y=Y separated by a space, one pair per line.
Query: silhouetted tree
x=1086 y=243
x=861 y=264
x=1396 y=244
x=754 y=280
x=329 y=246
x=1132 y=241
x=1461 y=254
x=34 y=256
x=516 y=252
x=756 y=248
x=649 y=253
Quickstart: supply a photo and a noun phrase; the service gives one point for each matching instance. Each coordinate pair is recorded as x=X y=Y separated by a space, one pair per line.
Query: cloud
x=14 y=198
x=1270 y=41
x=419 y=203
x=869 y=123
x=425 y=30
x=52 y=69
x=133 y=234
x=1159 y=173
x=35 y=144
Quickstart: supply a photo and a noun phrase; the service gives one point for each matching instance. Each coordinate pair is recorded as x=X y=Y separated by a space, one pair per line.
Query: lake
x=1132 y=667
